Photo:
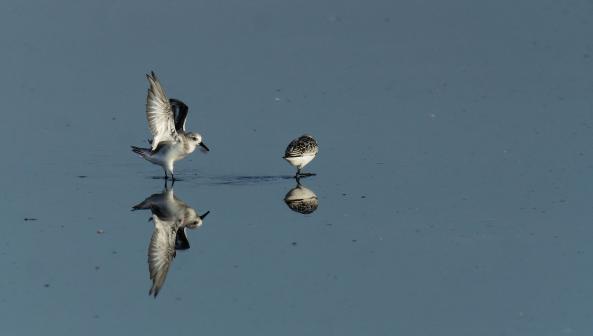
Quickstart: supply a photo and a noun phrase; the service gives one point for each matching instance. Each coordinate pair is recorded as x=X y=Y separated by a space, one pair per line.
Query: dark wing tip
x=181 y=241
x=151 y=76
x=180 y=111
x=152 y=292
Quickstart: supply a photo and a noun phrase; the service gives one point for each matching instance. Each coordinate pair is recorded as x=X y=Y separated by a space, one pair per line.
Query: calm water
x=453 y=182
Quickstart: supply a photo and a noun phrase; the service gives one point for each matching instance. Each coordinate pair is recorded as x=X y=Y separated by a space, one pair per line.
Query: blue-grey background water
x=454 y=175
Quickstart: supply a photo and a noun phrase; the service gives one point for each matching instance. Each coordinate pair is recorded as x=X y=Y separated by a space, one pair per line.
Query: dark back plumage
x=304 y=206
x=304 y=145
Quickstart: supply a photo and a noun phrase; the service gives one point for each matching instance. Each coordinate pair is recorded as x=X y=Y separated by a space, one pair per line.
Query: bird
x=166 y=120
x=301 y=199
x=171 y=217
x=300 y=152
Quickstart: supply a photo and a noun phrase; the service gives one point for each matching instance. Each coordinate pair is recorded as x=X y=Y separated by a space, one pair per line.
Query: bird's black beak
x=204 y=146
x=204 y=215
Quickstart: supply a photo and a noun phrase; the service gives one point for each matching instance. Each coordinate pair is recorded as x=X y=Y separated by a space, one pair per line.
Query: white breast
x=299 y=161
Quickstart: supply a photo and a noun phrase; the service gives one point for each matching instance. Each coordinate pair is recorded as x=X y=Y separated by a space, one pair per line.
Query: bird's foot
x=305 y=174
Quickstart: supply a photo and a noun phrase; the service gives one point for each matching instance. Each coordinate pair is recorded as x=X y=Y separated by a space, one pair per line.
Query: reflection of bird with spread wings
x=171 y=217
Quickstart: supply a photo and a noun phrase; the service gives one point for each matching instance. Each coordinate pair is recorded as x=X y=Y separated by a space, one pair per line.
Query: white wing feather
x=160 y=252
x=159 y=113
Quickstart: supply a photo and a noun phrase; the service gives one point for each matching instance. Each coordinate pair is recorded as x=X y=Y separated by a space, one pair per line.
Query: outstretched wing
x=180 y=111
x=159 y=113
x=160 y=252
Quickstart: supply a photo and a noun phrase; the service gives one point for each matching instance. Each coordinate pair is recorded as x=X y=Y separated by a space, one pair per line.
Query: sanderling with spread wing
x=300 y=152
x=171 y=217
x=166 y=119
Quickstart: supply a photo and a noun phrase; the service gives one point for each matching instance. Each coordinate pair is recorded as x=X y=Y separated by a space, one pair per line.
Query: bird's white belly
x=299 y=193
x=173 y=152
x=167 y=155
x=299 y=161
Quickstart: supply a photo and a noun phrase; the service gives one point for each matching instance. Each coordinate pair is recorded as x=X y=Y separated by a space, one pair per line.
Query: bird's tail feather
x=143 y=152
x=141 y=206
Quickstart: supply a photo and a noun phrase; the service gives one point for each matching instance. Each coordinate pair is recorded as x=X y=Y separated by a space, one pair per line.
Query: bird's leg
x=166 y=176
x=172 y=179
x=298 y=173
x=301 y=174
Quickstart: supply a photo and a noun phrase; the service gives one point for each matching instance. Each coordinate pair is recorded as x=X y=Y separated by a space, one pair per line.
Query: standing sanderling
x=166 y=119
x=300 y=152
x=301 y=199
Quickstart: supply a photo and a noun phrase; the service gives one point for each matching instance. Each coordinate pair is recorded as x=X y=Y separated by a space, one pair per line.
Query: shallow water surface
x=452 y=195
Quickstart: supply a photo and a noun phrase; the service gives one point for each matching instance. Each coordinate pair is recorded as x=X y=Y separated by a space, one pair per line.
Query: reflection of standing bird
x=170 y=140
x=300 y=152
x=301 y=199
x=171 y=218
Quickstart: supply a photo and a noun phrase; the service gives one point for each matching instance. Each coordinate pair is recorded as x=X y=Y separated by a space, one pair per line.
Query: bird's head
x=196 y=140
x=194 y=220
